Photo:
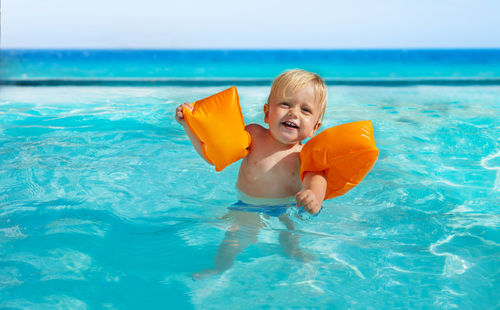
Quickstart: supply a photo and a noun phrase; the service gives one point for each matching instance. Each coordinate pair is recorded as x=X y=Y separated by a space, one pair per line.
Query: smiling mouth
x=290 y=125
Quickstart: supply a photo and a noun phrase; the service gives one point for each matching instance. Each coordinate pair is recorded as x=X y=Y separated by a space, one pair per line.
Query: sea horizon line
x=204 y=81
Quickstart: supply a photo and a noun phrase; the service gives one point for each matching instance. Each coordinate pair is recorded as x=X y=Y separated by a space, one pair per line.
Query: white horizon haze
x=223 y=24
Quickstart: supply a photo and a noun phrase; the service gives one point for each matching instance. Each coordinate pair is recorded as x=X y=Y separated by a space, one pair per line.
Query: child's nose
x=293 y=112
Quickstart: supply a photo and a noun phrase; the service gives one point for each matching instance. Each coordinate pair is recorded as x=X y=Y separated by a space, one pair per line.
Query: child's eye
x=286 y=104
x=307 y=110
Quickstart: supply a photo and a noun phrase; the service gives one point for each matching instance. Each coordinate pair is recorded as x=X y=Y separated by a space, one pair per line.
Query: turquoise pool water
x=105 y=205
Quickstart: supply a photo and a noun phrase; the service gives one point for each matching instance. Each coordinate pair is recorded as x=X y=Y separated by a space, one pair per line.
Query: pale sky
x=250 y=24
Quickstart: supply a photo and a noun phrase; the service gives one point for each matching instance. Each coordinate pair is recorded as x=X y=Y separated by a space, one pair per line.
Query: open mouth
x=290 y=125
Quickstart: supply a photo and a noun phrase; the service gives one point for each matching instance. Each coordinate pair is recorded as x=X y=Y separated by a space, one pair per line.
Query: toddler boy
x=270 y=174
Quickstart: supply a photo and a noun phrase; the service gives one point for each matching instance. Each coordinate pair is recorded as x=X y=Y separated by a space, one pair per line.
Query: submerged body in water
x=246 y=220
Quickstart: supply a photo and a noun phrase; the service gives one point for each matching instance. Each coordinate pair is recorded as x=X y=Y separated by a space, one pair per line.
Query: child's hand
x=308 y=200
x=179 y=117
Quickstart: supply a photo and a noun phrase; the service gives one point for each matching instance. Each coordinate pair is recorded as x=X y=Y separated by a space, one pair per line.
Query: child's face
x=293 y=117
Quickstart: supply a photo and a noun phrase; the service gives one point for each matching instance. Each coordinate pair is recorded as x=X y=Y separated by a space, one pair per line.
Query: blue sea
x=104 y=204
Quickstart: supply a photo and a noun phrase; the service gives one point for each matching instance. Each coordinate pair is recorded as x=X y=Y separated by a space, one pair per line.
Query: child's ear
x=316 y=127
x=266 y=113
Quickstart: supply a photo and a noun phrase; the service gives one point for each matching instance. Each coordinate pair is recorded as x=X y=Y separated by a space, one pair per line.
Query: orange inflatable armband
x=345 y=153
x=218 y=124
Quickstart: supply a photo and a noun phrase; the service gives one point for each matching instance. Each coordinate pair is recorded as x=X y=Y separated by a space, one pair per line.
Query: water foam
x=454 y=264
x=489 y=164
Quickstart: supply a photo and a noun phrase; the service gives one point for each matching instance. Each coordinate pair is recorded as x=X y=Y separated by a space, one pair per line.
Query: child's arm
x=179 y=117
x=313 y=193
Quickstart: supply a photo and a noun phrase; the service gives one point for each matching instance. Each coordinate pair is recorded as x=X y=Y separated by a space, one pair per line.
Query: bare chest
x=270 y=175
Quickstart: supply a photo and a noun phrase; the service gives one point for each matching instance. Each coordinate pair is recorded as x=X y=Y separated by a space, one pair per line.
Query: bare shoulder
x=255 y=129
x=257 y=133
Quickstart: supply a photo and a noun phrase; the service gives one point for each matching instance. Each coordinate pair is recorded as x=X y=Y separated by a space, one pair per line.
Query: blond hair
x=296 y=79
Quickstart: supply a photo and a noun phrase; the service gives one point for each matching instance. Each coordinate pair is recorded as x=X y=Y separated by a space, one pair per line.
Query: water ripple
x=101 y=192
